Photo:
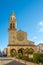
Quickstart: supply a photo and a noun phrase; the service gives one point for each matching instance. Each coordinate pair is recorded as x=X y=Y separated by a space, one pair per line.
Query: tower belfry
x=12 y=21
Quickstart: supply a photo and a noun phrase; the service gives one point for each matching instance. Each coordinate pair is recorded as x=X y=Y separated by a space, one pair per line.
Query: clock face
x=20 y=36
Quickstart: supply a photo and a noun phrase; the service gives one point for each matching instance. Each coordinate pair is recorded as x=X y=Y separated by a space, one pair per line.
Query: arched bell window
x=11 y=26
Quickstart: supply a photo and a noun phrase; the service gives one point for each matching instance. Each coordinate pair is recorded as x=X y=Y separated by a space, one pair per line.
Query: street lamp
x=25 y=62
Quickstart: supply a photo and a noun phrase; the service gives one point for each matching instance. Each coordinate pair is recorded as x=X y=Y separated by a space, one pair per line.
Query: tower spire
x=13 y=15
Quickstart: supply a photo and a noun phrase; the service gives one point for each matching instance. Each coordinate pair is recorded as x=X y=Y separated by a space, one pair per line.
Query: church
x=17 y=39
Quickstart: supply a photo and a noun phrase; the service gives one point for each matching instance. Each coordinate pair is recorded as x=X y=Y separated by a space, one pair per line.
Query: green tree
x=26 y=51
x=20 y=55
x=36 y=57
x=12 y=54
x=41 y=57
x=31 y=51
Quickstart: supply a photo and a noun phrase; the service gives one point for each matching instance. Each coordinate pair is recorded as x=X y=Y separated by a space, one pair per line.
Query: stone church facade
x=17 y=38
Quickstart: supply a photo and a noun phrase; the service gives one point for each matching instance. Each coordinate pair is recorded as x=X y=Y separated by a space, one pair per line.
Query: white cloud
x=40 y=26
x=41 y=30
x=41 y=23
x=35 y=37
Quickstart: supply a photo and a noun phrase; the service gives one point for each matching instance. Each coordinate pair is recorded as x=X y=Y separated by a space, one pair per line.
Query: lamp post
x=38 y=62
x=25 y=62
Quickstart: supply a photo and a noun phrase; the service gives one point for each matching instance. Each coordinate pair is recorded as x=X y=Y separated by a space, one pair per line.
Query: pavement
x=9 y=61
x=14 y=63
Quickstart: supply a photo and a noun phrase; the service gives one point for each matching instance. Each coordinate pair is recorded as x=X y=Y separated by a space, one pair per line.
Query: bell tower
x=12 y=29
x=12 y=22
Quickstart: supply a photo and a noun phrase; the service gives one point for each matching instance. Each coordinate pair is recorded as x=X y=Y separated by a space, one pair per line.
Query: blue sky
x=29 y=17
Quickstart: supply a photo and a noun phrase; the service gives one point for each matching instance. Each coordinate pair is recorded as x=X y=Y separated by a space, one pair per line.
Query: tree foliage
x=20 y=55
x=12 y=54
x=36 y=57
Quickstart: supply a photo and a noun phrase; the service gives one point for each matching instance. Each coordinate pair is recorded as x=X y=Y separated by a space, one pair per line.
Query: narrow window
x=13 y=25
x=10 y=26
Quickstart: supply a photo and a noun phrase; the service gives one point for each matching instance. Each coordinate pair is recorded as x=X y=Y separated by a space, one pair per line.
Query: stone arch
x=32 y=50
x=12 y=52
x=26 y=50
x=21 y=50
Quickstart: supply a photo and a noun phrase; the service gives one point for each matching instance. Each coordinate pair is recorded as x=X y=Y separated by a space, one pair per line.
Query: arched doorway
x=31 y=51
x=20 y=50
x=13 y=52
